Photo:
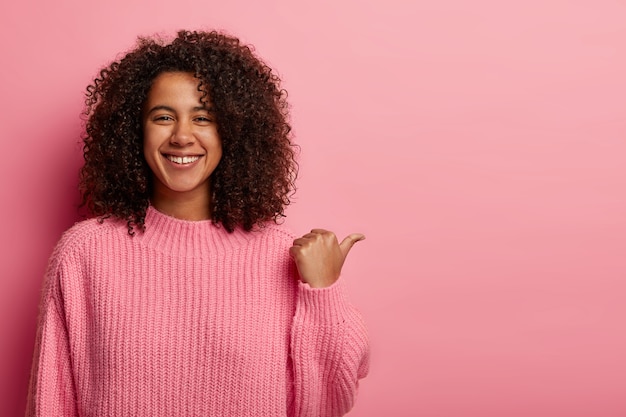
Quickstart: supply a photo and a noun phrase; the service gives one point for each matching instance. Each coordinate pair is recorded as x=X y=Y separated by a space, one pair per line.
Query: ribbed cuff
x=322 y=306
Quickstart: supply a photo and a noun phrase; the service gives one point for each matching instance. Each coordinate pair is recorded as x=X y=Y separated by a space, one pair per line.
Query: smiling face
x=181 y=143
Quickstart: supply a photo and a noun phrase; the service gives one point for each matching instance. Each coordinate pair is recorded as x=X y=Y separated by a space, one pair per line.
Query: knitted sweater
x=186 y=319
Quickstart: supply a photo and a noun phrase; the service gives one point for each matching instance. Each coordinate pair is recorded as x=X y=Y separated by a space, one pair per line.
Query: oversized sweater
x=186 y=319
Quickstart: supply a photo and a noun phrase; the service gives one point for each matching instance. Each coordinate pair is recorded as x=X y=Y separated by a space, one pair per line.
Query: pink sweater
x=186 y=319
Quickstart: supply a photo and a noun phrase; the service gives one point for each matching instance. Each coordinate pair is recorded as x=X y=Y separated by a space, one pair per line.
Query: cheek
x=218 y=151
x=150 y=150
x=150 y=141
x=212 y=142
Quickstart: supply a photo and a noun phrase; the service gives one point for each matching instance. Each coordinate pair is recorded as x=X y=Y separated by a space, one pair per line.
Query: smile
x=182 y=159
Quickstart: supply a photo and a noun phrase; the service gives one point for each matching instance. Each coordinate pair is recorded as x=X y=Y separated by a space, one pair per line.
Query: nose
x=182 y=134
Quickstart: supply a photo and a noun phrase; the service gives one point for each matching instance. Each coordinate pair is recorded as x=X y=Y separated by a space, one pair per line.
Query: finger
x=301 y=241
x=349 y=241
x=294 y=252
x=319 y=231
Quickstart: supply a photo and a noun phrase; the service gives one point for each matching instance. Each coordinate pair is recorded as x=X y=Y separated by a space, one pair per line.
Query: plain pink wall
x=479 y=144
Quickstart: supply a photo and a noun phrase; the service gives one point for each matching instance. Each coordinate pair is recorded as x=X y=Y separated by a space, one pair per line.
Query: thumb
x=349 y=241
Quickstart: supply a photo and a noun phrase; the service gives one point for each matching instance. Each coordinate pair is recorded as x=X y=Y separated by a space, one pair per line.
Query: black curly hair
x=255 y=177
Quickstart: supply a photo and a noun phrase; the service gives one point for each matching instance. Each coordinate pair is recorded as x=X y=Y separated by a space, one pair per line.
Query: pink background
x=480 y=145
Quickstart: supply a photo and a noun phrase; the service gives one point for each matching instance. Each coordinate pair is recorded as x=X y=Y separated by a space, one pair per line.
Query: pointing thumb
x=349 y=241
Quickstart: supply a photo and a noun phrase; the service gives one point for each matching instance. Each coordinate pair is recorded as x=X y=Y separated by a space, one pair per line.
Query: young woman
x=183 y=296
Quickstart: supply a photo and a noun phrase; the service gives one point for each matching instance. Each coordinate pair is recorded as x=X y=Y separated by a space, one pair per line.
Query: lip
x=180 y=154
x=182 y=160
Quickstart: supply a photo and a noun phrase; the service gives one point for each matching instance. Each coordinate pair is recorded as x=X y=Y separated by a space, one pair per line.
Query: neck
x=184 y=206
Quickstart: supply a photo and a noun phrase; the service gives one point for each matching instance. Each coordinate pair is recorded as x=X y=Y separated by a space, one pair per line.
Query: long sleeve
x=330 y=352
x=51 y=390
x=187 y=319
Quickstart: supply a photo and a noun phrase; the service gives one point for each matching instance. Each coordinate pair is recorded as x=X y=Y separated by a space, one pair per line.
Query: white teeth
x=182 y=159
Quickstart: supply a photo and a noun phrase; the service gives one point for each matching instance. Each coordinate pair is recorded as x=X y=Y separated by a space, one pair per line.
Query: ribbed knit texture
x=186 y=319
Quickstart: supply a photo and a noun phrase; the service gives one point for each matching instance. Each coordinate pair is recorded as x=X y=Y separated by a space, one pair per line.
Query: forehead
x=175 y=87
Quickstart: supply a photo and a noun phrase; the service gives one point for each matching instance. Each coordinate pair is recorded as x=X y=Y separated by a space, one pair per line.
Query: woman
x=183 y=296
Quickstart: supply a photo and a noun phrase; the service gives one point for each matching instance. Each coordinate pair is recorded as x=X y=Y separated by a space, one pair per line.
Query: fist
x=319 y=257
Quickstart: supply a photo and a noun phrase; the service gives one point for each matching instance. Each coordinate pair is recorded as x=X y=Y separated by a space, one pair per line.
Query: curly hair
x=255 y=178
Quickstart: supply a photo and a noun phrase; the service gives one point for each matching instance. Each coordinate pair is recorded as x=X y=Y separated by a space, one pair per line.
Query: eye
x=203 y=119
x=163 y=118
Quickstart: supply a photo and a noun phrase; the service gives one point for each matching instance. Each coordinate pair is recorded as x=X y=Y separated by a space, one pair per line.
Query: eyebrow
x=170 y=109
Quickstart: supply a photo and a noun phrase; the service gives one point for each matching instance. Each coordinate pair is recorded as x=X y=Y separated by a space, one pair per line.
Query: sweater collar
x=189 y=238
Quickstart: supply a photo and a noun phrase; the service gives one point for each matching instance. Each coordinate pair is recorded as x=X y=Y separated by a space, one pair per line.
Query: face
x=181 y=143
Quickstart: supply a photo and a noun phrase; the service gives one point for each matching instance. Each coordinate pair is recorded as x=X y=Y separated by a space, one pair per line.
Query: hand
x=319 y=256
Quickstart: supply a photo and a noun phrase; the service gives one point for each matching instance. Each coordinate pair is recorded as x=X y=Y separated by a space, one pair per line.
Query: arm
x=329 y=346
x=51 y=392
x=330 y=352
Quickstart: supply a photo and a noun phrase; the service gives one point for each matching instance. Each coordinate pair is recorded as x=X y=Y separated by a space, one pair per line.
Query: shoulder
x=266 y=238
x=80 y=243
x=90 y=230
x=276 y=233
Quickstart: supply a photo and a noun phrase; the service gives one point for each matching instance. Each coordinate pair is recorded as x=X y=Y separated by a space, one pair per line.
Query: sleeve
x=330 y=352
x=51 y=391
